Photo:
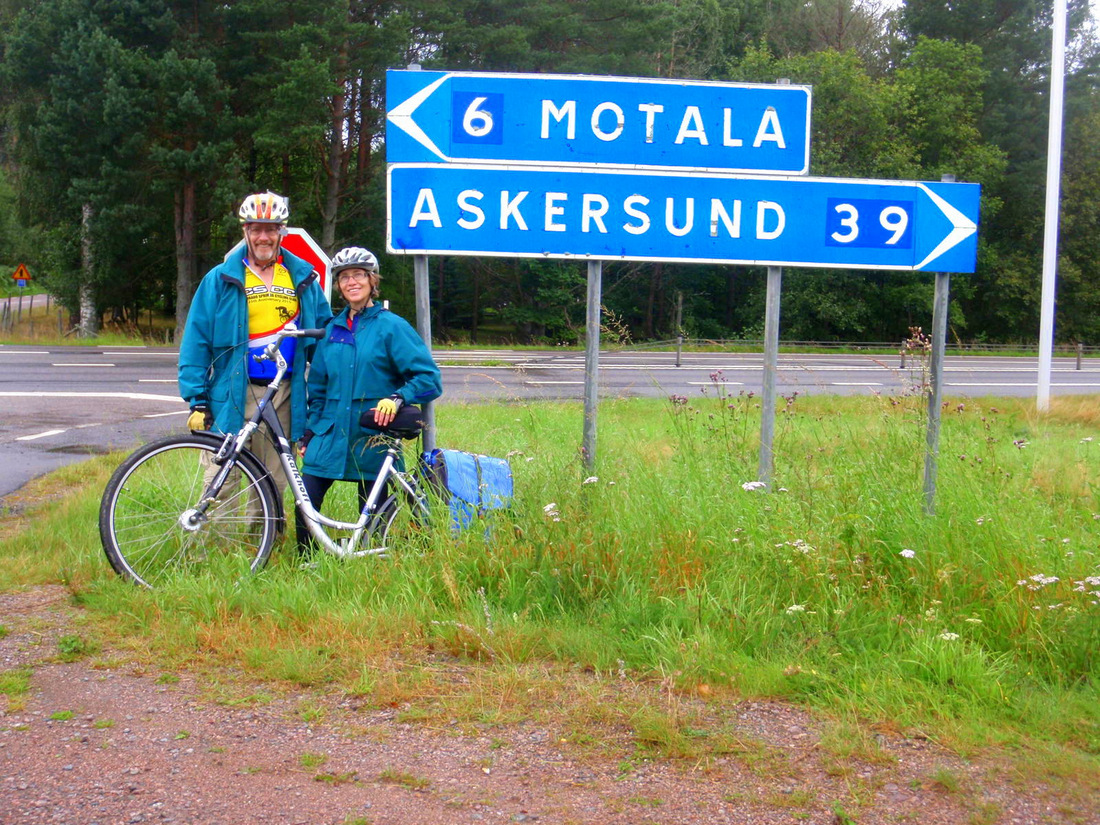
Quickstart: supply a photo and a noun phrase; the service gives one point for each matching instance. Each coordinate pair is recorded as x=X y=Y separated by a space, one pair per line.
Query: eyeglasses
x=262 y=229
x=360 y=275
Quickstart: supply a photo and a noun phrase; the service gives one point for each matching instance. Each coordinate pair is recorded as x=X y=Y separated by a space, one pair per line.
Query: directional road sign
x=686 y=217
x=590 y=121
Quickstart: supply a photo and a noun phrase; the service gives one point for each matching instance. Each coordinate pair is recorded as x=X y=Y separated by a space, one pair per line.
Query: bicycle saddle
x=407 y=424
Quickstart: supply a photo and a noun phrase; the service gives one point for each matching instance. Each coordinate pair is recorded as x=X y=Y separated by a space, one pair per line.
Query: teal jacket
x=213 y=366
x=352 y=369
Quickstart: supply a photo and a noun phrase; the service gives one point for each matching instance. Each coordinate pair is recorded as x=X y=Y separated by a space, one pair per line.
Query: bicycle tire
x=141 y=515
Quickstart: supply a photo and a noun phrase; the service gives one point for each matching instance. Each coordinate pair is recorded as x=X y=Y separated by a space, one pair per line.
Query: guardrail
x=1078 y=350
x=872 y=346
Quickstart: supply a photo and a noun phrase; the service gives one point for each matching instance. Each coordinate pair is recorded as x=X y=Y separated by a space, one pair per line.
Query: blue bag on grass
x=470 y=484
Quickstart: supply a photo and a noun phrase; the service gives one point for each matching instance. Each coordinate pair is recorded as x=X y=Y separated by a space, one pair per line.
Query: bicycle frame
x=234 y=444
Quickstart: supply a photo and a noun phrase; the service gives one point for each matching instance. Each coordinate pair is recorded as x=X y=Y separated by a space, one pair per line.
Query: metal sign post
x=935 y=390
x=592 y=364
x=771 y=368
x=424 y=326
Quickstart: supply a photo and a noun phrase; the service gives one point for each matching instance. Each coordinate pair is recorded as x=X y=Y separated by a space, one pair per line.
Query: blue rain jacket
x=213 y=366
x=352 y=369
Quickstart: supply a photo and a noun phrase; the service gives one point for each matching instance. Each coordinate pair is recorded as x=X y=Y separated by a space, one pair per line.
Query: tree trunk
x=477 y=304
x=89 y=318
x=366 y=133
x=185 y=253
x=440 y=325
x=334 y=167
x=651 y=302
x=731 y=295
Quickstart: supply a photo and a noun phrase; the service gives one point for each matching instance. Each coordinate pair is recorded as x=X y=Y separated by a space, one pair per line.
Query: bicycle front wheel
x=153 y=528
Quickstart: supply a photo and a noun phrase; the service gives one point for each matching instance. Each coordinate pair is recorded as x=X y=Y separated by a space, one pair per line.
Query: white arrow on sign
x=401 y=116
x=963 y=227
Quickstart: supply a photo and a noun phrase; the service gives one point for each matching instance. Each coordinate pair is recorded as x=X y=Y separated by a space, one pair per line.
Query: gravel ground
x=96 y=744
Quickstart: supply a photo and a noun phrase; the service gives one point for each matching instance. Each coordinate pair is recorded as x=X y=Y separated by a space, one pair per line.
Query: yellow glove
x=200 y=419
x=385 y=410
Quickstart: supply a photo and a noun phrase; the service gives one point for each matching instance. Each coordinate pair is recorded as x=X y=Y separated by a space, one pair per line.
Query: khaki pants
x=260 y=445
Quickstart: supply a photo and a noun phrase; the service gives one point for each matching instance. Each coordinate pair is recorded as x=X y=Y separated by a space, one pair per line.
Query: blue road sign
x=591 y=121
x=510 y=211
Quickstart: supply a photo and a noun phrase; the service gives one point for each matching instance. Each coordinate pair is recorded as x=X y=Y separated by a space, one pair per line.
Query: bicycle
x=160 y=515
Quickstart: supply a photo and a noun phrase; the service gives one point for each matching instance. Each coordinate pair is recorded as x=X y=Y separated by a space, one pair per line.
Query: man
x=239 y=307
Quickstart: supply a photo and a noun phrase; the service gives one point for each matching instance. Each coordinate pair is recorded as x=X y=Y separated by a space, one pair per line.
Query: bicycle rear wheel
x=149 y=527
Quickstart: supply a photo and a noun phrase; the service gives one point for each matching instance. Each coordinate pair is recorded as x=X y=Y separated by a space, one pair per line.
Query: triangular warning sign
x=21 y=273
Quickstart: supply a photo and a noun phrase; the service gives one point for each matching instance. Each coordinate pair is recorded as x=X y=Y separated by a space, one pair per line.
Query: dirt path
x=95 y=743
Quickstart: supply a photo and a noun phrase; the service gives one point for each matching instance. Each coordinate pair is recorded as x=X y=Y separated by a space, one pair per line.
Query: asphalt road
x=62 y=404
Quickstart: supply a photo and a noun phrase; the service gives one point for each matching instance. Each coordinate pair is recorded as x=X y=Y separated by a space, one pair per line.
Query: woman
x=369 y=359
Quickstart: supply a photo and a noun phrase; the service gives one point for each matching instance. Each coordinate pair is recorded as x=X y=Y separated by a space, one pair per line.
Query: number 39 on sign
x=869 y=223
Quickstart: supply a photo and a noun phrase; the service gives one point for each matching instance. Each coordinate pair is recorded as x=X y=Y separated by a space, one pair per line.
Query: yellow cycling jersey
x=270 y=308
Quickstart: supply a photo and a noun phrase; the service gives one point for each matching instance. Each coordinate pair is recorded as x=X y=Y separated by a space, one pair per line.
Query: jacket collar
x=369 y=312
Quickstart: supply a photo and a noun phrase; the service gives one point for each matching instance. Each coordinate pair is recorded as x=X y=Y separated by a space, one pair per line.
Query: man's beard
x=254 y=255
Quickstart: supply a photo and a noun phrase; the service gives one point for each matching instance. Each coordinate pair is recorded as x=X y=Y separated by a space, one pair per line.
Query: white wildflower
x=907 y=553
x=948 y=636
x=591 y=480
x=797 y=608
x=749 y=486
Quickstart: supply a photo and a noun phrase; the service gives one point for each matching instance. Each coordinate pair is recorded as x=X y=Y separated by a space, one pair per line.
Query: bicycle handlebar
x=289 y=331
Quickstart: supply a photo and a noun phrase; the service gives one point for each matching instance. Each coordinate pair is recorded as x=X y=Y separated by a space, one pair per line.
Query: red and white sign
x=298 y=242
x=21 y=274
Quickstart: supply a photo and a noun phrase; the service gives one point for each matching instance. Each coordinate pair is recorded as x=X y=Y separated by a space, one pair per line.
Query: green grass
x=621 y=597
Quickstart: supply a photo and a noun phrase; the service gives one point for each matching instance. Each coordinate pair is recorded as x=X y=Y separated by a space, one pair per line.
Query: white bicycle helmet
x=264 y=207
x=354 y=257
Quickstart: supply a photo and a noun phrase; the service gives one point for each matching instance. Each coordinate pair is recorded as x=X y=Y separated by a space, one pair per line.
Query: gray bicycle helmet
x=354 y=257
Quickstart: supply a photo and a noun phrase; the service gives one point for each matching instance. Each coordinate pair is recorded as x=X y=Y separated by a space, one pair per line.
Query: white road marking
x=132 y=396
x=854 y=384
x=39 y=435
x=82 y=365
x=157 y=380
x=1025 y=384
x=23 y=352
x=554 y=382
x=163 y=415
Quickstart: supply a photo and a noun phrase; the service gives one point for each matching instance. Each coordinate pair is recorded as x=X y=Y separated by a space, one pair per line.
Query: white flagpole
x=1054 y=178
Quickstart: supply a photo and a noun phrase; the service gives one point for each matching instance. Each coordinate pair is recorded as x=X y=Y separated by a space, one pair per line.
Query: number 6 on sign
x=477 y=122
x=848 y=223
x=477 y=118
